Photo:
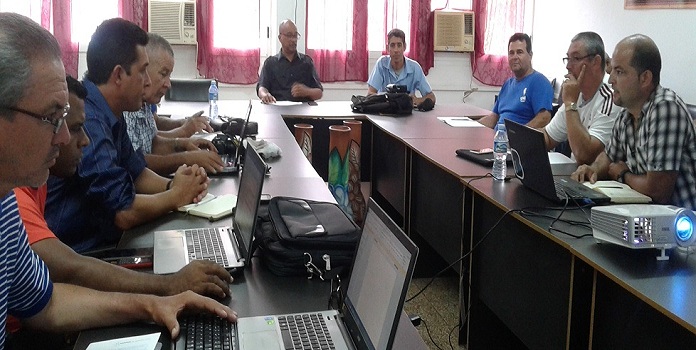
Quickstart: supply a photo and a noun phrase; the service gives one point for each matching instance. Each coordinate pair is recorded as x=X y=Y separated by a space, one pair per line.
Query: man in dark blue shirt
x=289 y=75
x=113 y=190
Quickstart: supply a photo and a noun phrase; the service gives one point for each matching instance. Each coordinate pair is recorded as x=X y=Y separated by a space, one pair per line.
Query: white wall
x=555 y=23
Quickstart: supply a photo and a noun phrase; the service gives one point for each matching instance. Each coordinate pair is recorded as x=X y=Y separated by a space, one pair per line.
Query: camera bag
x=296 y=235
x=397 y=103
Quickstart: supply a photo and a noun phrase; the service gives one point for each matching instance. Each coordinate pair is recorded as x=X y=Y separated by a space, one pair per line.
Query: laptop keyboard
x=206 y=244
x=305 y=331
x=206 y=331
x=564 y=191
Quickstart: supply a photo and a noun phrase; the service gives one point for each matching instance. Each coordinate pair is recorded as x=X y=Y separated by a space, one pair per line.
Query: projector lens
x=685 y=228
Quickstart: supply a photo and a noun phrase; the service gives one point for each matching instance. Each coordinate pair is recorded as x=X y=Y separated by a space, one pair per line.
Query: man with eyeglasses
x=587 y=115
x=289 y=75
x=653 y=143
x=113 y=190
x=525 y=98
x=33 y=100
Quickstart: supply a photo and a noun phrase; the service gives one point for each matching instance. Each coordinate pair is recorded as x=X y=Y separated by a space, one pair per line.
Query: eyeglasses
x=56 y=120
x=576 y=59
x=292 y=35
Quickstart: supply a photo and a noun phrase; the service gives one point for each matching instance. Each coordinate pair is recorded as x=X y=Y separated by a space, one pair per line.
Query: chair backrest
x=193 y=90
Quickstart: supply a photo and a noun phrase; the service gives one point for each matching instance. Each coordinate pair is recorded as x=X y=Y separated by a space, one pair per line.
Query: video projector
x=640 y=226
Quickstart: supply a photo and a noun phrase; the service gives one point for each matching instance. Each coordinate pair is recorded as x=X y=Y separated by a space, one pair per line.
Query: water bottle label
x=500 y=147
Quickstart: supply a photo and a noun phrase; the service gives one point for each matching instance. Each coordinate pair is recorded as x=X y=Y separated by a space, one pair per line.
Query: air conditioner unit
x=640 y=226
x=174 y=20
x=454 y=31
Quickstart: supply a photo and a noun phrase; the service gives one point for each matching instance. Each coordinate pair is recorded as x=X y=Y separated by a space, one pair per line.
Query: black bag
x=398 y=103
x=296 y=233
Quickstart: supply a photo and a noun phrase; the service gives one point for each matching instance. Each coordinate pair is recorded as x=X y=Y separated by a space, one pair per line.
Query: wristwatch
x=622 y=176
x=573 y=106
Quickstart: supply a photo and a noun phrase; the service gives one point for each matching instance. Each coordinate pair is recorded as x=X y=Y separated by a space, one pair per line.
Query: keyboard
x=205 y=244
x=207 y=331
x=305 y=331
x=564 y=191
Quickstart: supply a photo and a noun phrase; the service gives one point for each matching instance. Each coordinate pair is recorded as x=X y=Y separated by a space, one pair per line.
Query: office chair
x=191 y=90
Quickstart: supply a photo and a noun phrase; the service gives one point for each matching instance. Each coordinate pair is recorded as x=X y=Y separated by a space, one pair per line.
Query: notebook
x=212 y=207
x=618 y=192
x=482 y=157
x=228 y=246
x=533 y=168
x=385 y=257
x=231 y=161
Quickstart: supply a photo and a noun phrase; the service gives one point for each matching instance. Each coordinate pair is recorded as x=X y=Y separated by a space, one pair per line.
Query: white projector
x=640 y=226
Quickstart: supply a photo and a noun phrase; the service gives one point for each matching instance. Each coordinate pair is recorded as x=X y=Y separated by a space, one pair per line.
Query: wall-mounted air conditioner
x=174 y=20
x=454 y=31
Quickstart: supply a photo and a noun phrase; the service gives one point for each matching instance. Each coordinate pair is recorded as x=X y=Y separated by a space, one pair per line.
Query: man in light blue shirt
x=399 y=70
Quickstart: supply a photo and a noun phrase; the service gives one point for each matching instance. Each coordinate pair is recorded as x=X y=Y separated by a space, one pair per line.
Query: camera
x=393 y=88
x=225 y=144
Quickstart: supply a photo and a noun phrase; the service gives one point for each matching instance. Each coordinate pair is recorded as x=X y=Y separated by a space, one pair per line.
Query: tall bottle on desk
x=500 y=148
x=213 y=101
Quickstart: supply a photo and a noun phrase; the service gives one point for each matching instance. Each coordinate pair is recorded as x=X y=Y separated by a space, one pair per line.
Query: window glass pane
x=383 y=16
x=87 y=15
x=450 y=4
x=326 y=30
x=236 y=24
x=29 y=8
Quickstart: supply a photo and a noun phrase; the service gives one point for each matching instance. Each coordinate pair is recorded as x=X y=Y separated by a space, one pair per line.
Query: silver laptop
x=380 y=275
x=228 y=246
x=533 y=168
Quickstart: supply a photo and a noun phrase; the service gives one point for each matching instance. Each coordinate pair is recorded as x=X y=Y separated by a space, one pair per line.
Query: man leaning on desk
x=289 y=75
x=34 y=101
x=113 y=190
x=527 y=97
x=653 y=142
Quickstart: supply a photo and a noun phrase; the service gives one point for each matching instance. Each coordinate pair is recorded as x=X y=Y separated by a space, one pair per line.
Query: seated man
x=289 y=75
x=164 y=155
x=113 y=190
x=399 y=70
x=653 y=143
x=34 y=101
x=587 y=115
x=527 y=97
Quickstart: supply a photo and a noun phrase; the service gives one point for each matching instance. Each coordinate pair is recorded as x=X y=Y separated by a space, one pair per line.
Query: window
x=383 y=16
x=327 y=31
x=91 y=14
x=236 y=25
x=29 y=8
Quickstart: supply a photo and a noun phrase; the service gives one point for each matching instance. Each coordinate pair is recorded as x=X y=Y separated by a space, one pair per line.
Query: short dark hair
x=646 y=56
x=593 y=44
x=114 y=43
x=522 y=37
x=76 y=87
x=396 y=32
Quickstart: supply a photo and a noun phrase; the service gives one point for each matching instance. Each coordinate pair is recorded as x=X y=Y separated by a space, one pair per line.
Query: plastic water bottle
x=212 y=101
x=500 y=148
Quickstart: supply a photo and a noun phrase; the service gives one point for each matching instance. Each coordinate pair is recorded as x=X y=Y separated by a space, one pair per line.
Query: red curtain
x=134 y=11
x=421 y=34
x=225 y=65
x=62 y=32
x=506 y=17
x=345 y=65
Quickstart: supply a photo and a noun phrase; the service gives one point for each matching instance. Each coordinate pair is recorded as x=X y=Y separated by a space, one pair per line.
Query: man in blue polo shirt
x=398 y=69
x=527 y=97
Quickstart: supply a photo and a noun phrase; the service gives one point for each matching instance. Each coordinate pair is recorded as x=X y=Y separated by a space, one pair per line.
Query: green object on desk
x=339 y=166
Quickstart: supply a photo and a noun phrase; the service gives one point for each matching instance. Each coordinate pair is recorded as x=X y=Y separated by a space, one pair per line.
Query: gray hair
x=157 y=42
x=22 y=42
x=593 y=44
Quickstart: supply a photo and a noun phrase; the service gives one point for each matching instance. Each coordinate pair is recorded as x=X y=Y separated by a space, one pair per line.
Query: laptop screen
x=248 y=199
x=379 y=280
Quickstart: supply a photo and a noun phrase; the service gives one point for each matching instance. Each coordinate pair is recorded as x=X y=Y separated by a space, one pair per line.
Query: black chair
x=191 y=90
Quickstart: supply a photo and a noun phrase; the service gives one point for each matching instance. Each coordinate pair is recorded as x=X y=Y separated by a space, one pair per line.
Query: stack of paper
x=618 y=192
x=461 y=122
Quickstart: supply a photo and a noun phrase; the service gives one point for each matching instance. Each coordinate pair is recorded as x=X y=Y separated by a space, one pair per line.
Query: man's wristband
x=622 y=176
x=169 y=184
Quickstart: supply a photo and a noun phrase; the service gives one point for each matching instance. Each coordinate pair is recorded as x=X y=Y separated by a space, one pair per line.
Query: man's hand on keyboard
x=202 y=277
x=165 y=310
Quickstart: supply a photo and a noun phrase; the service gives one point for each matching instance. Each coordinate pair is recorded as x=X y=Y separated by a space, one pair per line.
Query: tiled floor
x=438 y=307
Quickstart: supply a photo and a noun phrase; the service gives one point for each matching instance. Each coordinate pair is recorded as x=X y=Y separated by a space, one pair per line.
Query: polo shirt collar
x=298 y=55
x=97 y=99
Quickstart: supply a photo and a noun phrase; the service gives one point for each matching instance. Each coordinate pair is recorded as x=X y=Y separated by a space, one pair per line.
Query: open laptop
x=533 y=168
x=228 y=246
x=232 y=161
x=385 y=257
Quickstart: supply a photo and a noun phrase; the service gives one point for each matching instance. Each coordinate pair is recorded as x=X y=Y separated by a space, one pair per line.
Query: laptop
x=229 y=246
x=232 y=161
x=369 y=317
x=533 y=168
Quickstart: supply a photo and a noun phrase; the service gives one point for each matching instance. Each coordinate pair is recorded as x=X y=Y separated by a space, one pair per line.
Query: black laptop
x=532 y=167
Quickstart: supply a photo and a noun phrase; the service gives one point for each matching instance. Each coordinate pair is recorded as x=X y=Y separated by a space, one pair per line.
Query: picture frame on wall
x=659 y=4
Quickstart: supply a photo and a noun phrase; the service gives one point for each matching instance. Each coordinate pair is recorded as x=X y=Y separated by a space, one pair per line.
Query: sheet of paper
x=287 y=103
x=559 y=158
x=139 y=342
x=461 y=122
